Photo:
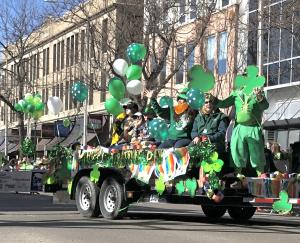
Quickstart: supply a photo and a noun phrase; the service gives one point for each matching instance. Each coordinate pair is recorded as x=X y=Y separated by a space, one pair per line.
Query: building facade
x=65 y=55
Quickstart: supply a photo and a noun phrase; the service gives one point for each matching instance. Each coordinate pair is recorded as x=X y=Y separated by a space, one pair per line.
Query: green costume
x=247 y=138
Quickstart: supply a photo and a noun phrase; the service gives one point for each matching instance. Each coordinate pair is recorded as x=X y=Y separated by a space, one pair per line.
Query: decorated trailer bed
x=108 y=181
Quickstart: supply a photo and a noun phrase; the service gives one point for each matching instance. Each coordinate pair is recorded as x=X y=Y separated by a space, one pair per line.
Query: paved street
x=33 y=218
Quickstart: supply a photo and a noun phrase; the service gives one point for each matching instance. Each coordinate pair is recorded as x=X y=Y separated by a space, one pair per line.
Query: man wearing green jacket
x=247 y=141
x=210 y=125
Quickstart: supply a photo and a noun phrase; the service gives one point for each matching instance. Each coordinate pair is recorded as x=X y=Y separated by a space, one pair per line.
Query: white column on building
x=259 y=41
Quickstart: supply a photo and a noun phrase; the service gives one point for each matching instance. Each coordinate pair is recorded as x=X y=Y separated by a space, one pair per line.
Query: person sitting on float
x=122 y=128
x=183 y=117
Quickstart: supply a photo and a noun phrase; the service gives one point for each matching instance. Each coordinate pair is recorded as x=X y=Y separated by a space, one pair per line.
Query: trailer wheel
x=112 y=199
x=87 y=196
x=241 y=213
x=211 y=211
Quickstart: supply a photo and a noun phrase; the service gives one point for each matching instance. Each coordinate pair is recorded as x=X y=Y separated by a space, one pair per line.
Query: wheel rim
x=85 y=197
x=110 y=199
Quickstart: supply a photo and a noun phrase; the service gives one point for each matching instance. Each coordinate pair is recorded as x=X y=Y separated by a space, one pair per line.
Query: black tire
x=112 y=199
x=241 y=213
x=214 y=212
x=87 y=198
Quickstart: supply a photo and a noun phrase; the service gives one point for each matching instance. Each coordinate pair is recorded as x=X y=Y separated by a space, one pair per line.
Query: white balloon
x=134 y=87
x=120 y=66
x=54 y=105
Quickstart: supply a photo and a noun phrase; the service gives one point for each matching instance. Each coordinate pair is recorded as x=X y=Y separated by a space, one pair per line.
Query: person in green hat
x=183 y=118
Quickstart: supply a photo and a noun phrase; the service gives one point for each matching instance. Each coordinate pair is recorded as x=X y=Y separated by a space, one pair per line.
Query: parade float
x=107 y=181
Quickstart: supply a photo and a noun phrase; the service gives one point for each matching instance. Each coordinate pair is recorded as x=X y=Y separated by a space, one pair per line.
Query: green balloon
x=37 y=115
x=66 y=122
x=113 y=106
x=116 y=88
x=79 y=91
x=200 y=79
x=23 y=104
x=38 y=95
x=136 y=52
x=30 y=108
x=28 y=98
x=18 y=107
x=39 y=106
x=134 y=72
x=36 y=100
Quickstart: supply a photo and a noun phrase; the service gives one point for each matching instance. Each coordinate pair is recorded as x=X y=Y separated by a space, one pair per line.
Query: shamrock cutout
x=95 y=173
x=191 y=186
x=200 y=79
x=180 y=188
x=69 y=187
x=213 y=165
x=282 y=206
x=249 y=82
x=160 y=185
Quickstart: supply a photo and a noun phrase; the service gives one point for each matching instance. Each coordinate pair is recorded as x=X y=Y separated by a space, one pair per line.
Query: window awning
x=53 y=142
x=9 y=147
x=285 y=124
x=74 y=136
x=90 y=136
x=42 y=144
x=14 y=149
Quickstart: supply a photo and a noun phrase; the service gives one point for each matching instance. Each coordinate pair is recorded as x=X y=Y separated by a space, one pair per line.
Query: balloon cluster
x=135 y=53
x=79 y=91
x=31 y=105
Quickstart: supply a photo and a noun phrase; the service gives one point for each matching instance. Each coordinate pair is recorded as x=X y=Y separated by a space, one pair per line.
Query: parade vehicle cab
x=109 y=181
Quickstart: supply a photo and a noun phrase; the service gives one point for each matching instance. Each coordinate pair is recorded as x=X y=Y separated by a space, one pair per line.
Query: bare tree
x=20 y=28
x=159 y=25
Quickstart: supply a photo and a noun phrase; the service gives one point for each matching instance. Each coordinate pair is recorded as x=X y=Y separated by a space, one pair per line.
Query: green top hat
x=182 y=94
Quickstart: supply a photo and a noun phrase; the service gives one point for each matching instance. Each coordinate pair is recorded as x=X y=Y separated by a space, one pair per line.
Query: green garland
x=58 y=154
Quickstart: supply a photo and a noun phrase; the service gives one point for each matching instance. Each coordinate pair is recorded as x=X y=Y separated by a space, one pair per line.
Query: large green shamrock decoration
x=249 y=82
x=180 y=188
x=191 y=186
x=160 y=185
x=213 y=164
x=282 y=206
x=200 y=79
x=95 y=173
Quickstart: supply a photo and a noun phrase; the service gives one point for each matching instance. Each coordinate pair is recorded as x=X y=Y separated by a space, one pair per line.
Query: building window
x=38 y=65
x=67 y=95
x=68 y=53
x=193 y=9
x=253 y=5
x=210 y=55
x=82 y=48
x=103 y=86
x=70 y=95
x=47 y=61
x=104 y=35
x=62 y=55
x=225 y=3
x=273 y=74
x=182 y=11
x=58 y=56
x=72 y=51
x=252 y=39
x=179 y=62
x=296 y=70
x=285 y=72
x=76 y=48
x=191 y=57
x=274 y=38
x=54 y=58
x=61 y=91
x=222 y=55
